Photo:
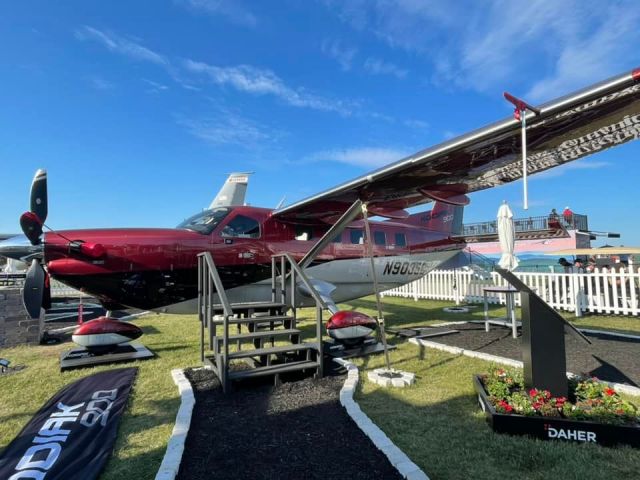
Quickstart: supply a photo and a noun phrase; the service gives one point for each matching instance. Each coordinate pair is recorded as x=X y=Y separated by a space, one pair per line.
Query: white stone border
x=583 y=330
x=611 y=334
x=398 y=459
x=173 y=456
x=619 y=387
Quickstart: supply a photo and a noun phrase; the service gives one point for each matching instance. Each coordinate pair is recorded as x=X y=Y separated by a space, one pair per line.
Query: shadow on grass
x=402 y=316
x=150 y=330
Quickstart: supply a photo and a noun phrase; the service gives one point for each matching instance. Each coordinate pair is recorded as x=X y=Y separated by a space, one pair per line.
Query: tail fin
x=443 y=217
x=233 y=191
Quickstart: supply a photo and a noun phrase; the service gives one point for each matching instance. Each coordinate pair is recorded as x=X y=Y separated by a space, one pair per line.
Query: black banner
x=72 y=435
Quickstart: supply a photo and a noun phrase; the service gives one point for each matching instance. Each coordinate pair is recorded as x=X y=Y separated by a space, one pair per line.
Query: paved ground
x=294 y=431
x=609 y=358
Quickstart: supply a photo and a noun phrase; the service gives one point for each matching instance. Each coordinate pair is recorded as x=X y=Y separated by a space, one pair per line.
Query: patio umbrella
x=507 y=237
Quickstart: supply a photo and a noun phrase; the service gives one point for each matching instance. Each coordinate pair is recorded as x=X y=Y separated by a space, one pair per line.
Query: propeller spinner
x=36 y=285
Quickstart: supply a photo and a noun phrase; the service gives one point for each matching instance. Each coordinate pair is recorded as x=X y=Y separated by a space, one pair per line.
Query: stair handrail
x=226 y=308
x=483 y=258
x=222 y=294
x=303 y=276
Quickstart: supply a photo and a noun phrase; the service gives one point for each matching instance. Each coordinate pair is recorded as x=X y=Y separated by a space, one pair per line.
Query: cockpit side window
x=205 y=222
x=241 y=227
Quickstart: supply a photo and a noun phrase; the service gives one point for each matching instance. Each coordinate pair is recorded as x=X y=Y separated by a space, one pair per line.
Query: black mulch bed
x=615 y=359
x=294 y=431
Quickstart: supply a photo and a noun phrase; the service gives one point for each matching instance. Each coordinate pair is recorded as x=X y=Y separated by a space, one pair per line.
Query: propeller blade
x=34 y=289
x=31 y=226
x=39 y=201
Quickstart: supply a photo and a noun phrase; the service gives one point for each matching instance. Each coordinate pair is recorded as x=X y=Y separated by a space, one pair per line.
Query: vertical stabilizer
x=443 y=217
x=233 y=191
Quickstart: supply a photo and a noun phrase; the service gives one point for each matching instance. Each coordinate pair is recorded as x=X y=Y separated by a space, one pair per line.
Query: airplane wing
x=588 y=121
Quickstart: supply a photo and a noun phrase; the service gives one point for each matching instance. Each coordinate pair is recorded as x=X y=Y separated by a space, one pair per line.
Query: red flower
x=620 y=411
x=547 y=394
x=533 y=392
x=610 y=391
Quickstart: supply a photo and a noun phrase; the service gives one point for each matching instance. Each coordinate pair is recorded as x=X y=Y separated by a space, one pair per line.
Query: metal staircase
x=480 y=264
x=270 y=343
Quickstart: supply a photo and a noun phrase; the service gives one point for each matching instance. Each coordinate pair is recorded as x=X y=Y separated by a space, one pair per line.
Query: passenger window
x=337 y=238
x=242 y=227
x=379 y=238
x=357 y=237
x=303 y=233
x=401 y=240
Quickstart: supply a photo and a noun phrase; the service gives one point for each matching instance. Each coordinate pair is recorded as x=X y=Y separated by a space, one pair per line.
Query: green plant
x=594 y=400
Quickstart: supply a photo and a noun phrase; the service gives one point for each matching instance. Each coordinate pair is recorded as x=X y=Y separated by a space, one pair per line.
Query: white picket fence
x=603 y=291
x=59 y=289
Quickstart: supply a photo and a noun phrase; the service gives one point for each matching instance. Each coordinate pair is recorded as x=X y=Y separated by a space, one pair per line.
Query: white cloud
x=227 y=128
x=100 y=83
x=490 y=46
x=362 y=157
x=592 y=57
x=417 y=124
x=337 y=51
x=120 y=45
x=249 y=79
x=449 y=134
x=380 y=67
x=233 y=10
x=155 y=87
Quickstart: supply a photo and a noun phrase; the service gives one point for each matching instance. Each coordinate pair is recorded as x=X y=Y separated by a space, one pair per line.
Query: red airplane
x=156 y=269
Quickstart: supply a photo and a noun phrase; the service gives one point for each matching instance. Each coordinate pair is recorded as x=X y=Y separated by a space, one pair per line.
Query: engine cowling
x=104 y=334
x=350 y=327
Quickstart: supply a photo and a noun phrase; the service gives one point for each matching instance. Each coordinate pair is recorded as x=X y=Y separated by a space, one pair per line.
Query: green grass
x=153 y=403
x=436 y=422
x=439 y=425
x=405 y=312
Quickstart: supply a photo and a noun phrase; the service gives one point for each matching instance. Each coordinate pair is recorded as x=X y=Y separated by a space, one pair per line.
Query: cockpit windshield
x=205 y=222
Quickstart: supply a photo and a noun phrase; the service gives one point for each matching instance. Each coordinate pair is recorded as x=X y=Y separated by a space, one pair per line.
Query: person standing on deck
x=568 y=216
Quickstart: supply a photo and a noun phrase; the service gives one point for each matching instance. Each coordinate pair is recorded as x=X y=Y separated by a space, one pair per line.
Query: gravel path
x=609 y=358
x=294 y=431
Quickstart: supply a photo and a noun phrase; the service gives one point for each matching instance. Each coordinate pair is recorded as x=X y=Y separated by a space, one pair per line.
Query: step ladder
x=262 y=335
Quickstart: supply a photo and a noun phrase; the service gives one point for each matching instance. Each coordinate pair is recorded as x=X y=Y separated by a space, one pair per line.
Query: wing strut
x=520 y=113
x=376 y=289
x=336 y=229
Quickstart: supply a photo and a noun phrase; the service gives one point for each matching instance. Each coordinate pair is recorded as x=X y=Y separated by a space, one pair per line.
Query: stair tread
x=268 y=351
x=272 y=369
x=263 y=334
x=253 y=305
x=265 y=319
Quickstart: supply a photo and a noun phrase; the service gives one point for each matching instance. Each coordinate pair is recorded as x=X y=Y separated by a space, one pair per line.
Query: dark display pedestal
x=543 y=349
x=81 y=357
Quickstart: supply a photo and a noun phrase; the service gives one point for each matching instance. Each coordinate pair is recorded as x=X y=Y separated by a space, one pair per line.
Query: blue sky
x=138 y=110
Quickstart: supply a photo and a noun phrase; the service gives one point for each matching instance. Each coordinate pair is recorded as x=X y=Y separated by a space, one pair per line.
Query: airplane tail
x=233 y=191
x=443 y=217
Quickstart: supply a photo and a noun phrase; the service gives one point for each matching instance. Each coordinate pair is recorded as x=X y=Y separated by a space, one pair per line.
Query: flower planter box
x=555 y=428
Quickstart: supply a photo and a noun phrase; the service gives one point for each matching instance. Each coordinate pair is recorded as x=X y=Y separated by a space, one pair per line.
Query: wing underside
x=577 y=125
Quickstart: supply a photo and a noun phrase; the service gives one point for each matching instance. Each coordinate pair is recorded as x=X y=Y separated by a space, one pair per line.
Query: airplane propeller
x=35 y=293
